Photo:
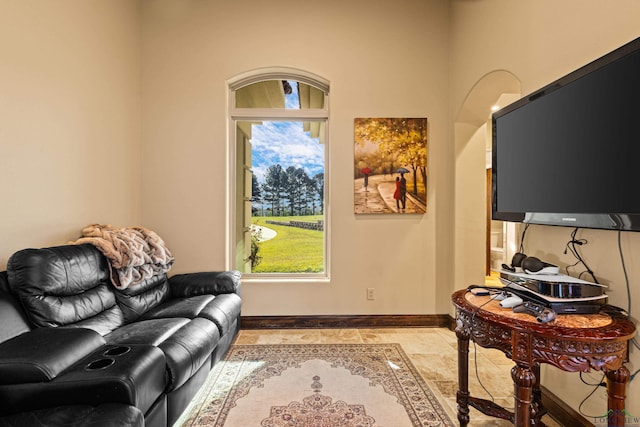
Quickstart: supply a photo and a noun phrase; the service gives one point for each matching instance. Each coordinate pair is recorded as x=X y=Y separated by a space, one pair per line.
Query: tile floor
x=433 y=351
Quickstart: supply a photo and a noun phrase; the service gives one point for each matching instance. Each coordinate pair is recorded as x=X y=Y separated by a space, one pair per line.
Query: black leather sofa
x=74 y=350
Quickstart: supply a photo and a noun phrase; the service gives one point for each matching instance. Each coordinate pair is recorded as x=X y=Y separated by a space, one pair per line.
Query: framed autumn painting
x=390 y=165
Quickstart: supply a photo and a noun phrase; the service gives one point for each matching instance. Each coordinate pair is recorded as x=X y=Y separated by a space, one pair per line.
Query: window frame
x=235 y=115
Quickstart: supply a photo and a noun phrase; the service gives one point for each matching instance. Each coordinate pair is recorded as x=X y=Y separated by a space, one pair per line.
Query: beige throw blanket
x=134 y=253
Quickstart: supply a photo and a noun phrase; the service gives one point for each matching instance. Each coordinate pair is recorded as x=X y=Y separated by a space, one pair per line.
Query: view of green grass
x=293 y=250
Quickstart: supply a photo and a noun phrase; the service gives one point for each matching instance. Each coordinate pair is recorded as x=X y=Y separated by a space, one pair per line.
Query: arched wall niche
x=476 y=107
x=472 y=136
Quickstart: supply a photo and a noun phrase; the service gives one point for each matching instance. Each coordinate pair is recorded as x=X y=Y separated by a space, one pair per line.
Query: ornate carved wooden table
x=572 y=343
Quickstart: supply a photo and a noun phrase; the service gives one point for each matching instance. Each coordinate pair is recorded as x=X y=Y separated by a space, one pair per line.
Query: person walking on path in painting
x=366 y=171
x=396 y=194
x=403 y=191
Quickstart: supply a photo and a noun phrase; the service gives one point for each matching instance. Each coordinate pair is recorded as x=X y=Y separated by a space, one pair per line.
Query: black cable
x=475 y=350
x=595 y=388
x=572 y=247
x=475 y=362
x=599 y=384
x=626 y=276
x=524 y=232
x=566 y=269
x=634 y=341
x=493 y=292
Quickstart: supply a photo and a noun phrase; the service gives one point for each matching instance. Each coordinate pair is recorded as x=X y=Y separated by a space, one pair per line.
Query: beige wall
x=540 y=41
x=115 y=111
x=69 y=119
x=470 y=201
x=383 y=59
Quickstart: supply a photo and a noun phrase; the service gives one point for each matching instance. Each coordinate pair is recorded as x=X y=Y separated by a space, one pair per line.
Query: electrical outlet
x=371 y=293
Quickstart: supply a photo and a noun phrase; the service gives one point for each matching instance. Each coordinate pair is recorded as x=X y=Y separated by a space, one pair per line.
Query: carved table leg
x=523 y=381
x=616 y=391
x=462 y=397
x=537 y=410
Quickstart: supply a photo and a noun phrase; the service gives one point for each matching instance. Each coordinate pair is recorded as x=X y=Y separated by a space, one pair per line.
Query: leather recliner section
x=64 y=285
x=43 y=354
x=103 y=415
x=139 y=299
x=132 y=375
x=69 y=337
x=13 y=319
x=186 y=343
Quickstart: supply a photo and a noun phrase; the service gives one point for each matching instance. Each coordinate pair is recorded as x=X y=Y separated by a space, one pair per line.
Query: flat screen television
x=569 y=153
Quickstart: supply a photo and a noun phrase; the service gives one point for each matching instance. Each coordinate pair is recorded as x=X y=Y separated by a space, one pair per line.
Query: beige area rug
x=315 y=385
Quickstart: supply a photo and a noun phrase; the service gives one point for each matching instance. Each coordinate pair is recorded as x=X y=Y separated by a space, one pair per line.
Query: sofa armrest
x=211 y=282
x=101 y=415
x=43 y=353
x=133 y=374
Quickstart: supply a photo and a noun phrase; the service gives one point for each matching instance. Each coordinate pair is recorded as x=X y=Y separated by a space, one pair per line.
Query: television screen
x=568 y=154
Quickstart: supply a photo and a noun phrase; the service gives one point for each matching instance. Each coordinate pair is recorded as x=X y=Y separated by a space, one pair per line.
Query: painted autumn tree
x=401 y=141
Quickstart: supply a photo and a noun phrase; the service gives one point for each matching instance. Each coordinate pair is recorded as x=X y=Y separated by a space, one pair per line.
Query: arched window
x=278 y=149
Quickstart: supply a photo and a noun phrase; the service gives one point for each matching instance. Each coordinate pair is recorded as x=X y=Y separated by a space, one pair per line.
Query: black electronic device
x=541 y=313
x=566 y=154
x=556 y=286
x=568 y=303
x=531 y=265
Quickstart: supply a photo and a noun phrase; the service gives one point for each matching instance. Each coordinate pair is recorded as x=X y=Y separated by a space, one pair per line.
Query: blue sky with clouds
x=285 y=143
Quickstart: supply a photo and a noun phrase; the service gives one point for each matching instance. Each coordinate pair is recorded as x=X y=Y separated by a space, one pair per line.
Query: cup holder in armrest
x=99 y=364
x=117 y=351
x=108 y=360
